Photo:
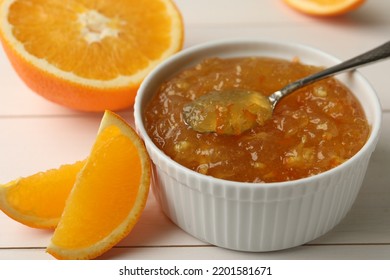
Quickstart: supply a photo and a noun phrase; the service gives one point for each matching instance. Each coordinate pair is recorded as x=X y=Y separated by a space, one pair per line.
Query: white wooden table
x=36 y=135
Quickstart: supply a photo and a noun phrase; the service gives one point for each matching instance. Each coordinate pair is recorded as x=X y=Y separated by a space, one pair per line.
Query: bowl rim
x=368 y=147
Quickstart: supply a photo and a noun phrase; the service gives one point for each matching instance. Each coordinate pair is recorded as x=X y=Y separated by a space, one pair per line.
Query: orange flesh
x=325 y=7
x=43 y=195
x=89 y=219
x=311 y=131
x=110 y=35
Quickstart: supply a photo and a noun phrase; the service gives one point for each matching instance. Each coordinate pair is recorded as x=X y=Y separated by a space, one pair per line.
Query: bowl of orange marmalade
x=277 y=185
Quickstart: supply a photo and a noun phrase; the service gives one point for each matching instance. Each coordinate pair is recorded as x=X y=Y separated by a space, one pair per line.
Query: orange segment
x=109 y=194
x=38 y=200
x=89 y=55
x=325 y=7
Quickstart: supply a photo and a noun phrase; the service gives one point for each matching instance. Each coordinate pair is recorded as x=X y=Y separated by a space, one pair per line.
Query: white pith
x=95 y=26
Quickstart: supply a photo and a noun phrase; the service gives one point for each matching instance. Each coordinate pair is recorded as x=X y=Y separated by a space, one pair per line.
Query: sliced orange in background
x=89 y=55
x=109 y=194
x=325 y=7
x=38 y=200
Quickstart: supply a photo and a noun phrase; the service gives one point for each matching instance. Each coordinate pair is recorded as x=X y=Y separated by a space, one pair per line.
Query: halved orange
x=88 y=55
x=325 y=7
x=38 y=200
x=109 y=194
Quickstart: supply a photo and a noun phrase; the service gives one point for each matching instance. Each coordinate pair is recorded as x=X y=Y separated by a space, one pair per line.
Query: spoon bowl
x=232 y=112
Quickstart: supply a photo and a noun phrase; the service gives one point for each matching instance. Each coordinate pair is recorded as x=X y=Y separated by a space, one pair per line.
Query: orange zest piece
x=38 y=200
x=109 y=194
x=325 y=7
x=88 y=55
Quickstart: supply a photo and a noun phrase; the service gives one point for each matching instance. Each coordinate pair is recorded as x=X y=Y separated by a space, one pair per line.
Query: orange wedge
x=325 y=7
x=88 y=55
x=38 y=200
x=109 y=194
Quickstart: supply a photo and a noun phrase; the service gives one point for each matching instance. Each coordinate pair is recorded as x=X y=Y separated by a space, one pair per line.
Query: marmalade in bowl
x=312 y=130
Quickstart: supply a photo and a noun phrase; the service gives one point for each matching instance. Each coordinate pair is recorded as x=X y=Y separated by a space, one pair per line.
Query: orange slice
x=88 y=55
x=325 y=7
x=109 y=194
x=38 y=200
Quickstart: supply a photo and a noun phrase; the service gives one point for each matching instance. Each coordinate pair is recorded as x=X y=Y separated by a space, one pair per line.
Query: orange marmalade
x=312 y=130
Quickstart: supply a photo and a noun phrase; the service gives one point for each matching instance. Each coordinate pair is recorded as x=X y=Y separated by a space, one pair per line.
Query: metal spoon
x=234 y=111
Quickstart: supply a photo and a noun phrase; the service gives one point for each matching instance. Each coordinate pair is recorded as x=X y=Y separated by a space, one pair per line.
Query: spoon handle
x=381 y=52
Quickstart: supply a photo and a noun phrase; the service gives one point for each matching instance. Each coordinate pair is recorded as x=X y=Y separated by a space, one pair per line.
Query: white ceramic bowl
x=256 y=216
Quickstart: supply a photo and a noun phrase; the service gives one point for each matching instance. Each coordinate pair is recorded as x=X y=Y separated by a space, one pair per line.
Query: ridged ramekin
x=256 y=216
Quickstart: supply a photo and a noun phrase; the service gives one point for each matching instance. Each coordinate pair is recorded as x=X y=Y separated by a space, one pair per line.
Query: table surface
x=36 y=135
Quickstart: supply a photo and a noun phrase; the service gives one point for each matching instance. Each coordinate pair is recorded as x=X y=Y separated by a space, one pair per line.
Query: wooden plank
x=331 y=252
x=238 y=12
